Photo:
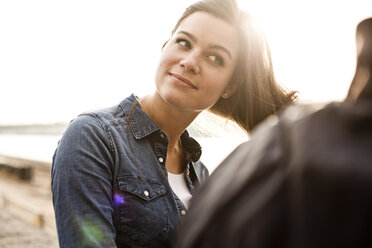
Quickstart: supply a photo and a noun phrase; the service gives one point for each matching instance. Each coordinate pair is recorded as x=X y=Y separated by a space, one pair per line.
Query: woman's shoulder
x=105 y=117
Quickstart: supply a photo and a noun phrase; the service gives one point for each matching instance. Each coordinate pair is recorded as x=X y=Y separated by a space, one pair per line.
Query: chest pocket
x=143 y=214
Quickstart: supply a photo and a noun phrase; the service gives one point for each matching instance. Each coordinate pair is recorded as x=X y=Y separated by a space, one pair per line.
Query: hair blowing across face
x=257 y=94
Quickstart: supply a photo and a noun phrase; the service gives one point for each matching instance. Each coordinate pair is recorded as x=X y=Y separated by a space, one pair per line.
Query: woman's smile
x=182 y=81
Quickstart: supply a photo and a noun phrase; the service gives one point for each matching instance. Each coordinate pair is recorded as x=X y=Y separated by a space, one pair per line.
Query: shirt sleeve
x=82 y=179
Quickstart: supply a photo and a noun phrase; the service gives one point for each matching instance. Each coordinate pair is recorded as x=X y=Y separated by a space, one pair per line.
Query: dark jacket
x=303 y=180
x=109 y=181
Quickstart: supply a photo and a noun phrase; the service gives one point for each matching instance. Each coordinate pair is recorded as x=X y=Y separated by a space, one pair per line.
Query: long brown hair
x=257 y=94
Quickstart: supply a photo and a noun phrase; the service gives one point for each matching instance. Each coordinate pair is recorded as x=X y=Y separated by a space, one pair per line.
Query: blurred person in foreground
x=303 y=180
x=123 y=176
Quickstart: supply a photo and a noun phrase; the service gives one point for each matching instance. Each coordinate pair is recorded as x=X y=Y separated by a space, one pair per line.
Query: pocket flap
x=144 y=188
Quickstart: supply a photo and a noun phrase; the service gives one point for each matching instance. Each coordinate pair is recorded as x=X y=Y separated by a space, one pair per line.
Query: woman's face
x=197 y=62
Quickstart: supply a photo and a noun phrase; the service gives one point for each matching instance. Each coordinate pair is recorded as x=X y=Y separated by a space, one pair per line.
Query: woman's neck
x=173 y=122
x=170 y=119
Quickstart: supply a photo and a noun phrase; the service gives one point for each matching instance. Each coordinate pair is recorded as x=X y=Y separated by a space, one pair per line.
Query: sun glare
x=60 y=58
x=312 y=43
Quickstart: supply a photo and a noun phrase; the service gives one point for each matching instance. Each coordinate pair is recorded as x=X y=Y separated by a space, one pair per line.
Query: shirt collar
x=140 y=123
x=191 y=147
x=141 y=126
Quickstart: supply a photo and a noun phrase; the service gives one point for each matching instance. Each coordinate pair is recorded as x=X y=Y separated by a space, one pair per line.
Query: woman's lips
x=183 y=80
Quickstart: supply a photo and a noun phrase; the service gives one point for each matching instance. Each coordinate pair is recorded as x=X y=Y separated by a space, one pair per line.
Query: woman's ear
x=229 y=91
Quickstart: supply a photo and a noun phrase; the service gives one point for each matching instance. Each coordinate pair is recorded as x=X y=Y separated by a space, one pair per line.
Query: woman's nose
x=190 y=63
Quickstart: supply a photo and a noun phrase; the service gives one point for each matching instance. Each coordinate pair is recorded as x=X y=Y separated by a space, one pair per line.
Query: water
x=42 y=147
x=35 y=147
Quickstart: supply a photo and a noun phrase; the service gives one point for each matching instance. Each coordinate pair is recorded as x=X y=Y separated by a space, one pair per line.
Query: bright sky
x=60 y=58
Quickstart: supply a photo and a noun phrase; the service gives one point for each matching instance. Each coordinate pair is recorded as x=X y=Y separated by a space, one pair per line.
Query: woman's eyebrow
x=216 y=46
x=213 y=46
x=191 y=36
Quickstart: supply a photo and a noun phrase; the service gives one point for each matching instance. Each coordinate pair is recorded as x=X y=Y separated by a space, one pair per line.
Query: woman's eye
x=184 y=43
x=216 y=59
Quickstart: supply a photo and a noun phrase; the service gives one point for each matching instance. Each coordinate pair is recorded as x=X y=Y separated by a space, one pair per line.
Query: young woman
x=123 y=176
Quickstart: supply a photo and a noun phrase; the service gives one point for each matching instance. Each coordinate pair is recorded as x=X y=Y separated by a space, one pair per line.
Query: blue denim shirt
x=109 y=181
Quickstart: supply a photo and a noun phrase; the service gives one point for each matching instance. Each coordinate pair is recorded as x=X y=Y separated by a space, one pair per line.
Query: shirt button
x=161 y=160
x=183 y=212
x=146 y=193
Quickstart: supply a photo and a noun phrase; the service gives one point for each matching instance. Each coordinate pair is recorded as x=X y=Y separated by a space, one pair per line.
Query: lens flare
x=92 y=233
x=118 y=199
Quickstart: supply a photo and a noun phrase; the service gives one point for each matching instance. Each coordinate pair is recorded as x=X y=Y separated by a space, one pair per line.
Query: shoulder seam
x=106 y=129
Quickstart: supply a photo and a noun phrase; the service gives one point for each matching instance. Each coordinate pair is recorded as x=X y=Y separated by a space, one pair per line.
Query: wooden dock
x=25 y=193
